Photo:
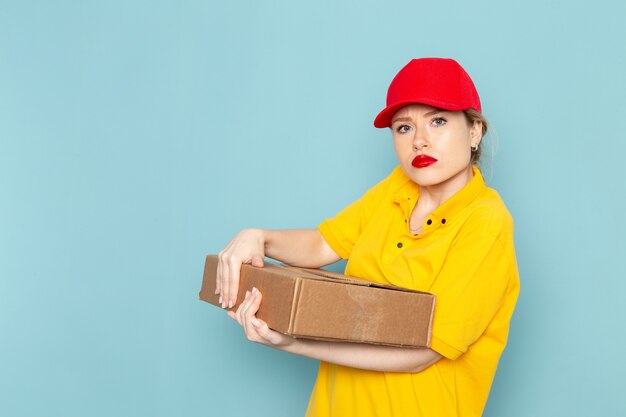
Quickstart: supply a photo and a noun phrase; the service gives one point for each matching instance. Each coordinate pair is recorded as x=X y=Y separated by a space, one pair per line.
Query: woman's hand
x=256 y=330
x=247 y=247
x=298 y=247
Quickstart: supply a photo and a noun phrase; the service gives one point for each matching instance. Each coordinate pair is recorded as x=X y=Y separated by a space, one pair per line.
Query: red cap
x=437 y=82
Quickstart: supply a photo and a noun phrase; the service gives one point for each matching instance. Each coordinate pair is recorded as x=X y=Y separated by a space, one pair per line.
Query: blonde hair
x=472 y=116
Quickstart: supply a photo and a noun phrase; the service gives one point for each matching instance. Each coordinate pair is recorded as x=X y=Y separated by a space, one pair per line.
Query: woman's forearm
x=364 y=356
x=299 y=247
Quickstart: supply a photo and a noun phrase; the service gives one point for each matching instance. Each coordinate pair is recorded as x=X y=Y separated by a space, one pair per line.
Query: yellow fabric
x=466 y=257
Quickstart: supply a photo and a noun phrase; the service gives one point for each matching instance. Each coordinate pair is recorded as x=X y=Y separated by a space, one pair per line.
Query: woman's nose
x=420 y=140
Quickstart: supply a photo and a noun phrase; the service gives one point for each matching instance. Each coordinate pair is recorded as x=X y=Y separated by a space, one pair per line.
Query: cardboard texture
x=318 y=304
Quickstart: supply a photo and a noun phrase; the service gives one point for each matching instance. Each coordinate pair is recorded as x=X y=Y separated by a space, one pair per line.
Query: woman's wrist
x=257 y=235
x=293 y=346
x=272 y=243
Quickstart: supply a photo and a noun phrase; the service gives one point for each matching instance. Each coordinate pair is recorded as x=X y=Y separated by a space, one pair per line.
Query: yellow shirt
x=465 y=256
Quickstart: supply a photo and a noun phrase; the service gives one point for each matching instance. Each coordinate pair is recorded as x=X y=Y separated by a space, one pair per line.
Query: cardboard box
x=318 y=304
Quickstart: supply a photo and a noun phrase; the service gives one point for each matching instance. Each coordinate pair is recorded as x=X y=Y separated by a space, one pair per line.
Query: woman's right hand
x=247 y=247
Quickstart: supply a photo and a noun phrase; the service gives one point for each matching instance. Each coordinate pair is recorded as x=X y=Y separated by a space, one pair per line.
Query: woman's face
x=434 y=145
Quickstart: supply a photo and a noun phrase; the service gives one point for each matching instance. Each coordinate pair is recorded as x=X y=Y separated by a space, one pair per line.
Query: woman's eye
x=403 y=128
x=438 y=121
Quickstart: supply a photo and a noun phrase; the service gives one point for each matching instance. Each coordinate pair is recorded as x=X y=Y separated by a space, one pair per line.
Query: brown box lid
x=319 y=304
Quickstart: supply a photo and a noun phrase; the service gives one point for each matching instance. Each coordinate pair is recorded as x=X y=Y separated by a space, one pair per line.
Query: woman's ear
x=476 y=133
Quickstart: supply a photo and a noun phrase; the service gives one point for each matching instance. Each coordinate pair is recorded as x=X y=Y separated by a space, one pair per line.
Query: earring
x=474 y=148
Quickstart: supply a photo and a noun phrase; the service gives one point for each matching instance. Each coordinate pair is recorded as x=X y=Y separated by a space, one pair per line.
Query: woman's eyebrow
x=427 y=114
x=432 y=112
x=401 y=119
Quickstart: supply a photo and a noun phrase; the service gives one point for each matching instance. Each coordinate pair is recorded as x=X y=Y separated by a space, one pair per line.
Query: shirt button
x=443 y=221
x=399 y=244
x=429 y=222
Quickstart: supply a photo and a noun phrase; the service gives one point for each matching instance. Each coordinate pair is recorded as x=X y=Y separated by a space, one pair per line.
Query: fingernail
x=254 y=291
x=256 y=323
x=220 y=301
x=231 y=303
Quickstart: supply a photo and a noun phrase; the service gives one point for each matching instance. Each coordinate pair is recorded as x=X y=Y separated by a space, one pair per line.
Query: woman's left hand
x=257 y=330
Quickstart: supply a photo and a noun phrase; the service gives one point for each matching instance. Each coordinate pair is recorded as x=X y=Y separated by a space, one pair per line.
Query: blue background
x=137 y=137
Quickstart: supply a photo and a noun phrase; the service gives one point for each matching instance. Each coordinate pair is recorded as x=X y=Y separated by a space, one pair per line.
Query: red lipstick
x=422 y=161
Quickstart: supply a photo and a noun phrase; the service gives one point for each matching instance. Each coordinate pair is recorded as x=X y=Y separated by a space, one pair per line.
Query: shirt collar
x=408 y=193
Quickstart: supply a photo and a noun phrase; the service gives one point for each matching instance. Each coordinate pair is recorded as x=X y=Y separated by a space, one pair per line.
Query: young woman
x=431 y=225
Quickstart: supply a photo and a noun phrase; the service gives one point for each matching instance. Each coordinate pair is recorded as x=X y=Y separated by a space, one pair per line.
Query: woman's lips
x=422 y=161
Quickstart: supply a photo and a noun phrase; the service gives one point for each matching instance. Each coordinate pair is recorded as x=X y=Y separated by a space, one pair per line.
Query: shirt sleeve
x=479 y=273
x=342 y=231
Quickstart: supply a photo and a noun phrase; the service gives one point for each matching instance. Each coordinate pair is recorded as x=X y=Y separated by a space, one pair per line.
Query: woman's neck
x=431 y=197
x=435 y=195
